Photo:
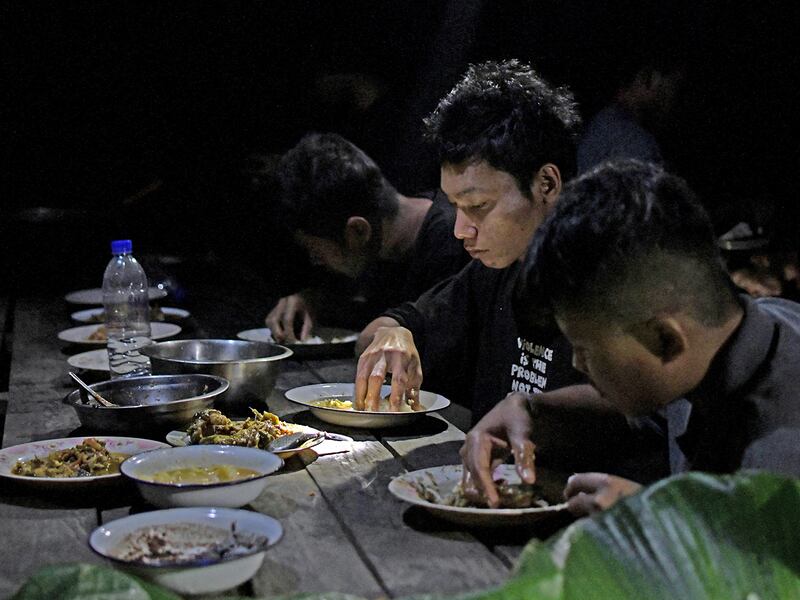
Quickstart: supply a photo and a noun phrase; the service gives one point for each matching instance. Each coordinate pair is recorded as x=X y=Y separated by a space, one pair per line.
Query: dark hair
x=625 y=241
x=325 y=180
x=505 y=114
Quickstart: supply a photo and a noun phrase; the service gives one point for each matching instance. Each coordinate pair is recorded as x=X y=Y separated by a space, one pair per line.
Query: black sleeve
x=443 y=320
x=438 y=253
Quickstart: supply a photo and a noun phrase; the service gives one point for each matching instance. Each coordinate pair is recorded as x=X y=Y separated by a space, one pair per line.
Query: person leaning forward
x=506 y=140
x=629 y=265
x=352 y=222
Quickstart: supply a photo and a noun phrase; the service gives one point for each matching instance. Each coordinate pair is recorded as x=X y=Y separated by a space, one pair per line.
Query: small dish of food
x=96 y=334
x=189 y=550
x=262 y=430
x=209 y=475
x=438 y=490
x=333 y=403
x=157 y=313
x=75 y=462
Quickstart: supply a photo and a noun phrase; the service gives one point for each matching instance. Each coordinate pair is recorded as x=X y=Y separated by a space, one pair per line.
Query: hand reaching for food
x=392 y=350
x=504 y=430
x=282 y=317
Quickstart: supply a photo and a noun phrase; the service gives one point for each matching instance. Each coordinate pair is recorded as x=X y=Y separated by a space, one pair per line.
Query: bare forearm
x=366 y=335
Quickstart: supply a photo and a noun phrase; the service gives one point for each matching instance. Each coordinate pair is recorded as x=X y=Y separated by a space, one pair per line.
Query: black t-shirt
x=436 y=256
x=469 y=345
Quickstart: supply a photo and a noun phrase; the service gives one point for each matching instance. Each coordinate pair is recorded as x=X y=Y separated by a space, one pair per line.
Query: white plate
x=93 y=315
x=201 y=577
x=95 y=295
x=80 y=335
x=322 y=336
x=93 y=360
x=326 y=342
x=444 y=479
x=307 y=394
x=181 y=438
x=124 y=445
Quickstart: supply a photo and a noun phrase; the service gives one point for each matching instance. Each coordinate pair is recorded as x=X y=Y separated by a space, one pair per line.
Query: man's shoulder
x=785 y=313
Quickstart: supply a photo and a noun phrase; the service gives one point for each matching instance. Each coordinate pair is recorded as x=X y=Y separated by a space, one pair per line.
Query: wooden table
x=343 y=530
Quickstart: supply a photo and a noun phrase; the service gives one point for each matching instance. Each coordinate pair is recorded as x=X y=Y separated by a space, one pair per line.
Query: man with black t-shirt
x=352 y=222
x=506 y=141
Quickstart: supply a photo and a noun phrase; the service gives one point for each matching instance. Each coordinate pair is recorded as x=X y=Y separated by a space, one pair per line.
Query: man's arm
x=368 y=333
x=508 y=429
x=435 y=326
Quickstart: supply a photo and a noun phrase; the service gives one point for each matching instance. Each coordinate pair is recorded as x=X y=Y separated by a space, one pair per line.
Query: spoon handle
x=94 y=394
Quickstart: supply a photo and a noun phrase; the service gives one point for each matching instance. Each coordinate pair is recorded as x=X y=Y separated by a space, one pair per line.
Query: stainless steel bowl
x=148 y=403
x=250 y=367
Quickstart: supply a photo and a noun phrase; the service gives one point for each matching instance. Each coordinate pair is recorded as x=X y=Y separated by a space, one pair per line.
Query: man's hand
x=281 y=319
x=588 y=493
x=505 y=429
x=392 y=350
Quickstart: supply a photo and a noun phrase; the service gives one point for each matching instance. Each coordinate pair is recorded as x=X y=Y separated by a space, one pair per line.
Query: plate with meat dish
x=325 y=342
x=157 y=314
x=67 y=463
x=262 y=430
x=95 y=295
x=438 y=490
x=96 y=335
x=333 y=403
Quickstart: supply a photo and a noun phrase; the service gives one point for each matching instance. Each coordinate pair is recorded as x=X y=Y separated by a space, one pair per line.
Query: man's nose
x=464 y=228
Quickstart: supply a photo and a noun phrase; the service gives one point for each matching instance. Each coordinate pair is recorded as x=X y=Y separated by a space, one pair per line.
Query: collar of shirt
x=707 y=419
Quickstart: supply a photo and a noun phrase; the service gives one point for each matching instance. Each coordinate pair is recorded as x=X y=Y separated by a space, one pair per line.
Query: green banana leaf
x=691 y=536
x=88 y=582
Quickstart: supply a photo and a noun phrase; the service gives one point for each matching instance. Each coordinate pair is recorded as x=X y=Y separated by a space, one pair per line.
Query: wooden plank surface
x=405 y=560
x=343 y=530
x=42 y=527
x=36 y=536
x=314 y=554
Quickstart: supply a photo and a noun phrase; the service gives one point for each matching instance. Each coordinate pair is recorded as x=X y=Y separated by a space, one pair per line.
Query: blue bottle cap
x=121 y=247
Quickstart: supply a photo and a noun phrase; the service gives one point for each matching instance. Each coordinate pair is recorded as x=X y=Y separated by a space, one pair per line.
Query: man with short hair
x=506 y=140
x=352 y=221
x=629 y=266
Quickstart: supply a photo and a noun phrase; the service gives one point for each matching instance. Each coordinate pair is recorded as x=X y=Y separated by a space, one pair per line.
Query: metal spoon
x=291 y=441
x=94 y=394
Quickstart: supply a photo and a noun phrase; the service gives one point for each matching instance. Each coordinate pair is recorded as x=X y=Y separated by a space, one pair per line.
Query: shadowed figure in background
x=640 y=107
x=351 y=221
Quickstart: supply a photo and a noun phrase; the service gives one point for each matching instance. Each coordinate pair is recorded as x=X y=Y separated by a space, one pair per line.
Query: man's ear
x=357 y=233
x=664 y=337
x=546 y=184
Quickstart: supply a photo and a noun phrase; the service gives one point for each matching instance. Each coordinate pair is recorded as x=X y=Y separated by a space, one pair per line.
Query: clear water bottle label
x=125 y=358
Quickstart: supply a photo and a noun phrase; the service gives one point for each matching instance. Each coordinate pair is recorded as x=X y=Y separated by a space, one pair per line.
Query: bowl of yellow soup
x=205 y=475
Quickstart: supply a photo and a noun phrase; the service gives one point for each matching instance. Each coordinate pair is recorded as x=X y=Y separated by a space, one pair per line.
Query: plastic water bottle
x=127 y=311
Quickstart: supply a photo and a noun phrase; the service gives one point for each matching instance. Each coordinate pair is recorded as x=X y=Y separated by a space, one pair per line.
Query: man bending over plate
x=353 y=222
x=629 y=266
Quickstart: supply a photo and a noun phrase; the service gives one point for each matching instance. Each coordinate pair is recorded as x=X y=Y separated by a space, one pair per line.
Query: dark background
x=137 y=119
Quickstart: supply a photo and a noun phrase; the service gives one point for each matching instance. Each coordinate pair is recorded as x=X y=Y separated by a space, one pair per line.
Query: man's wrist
x=532 y=405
